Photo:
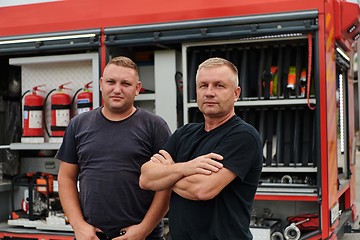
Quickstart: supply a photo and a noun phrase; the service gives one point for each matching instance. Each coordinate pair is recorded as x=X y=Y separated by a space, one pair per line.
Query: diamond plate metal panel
x=52 y=71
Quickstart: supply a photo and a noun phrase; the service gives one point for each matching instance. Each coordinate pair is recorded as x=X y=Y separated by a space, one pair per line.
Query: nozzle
x=88 y=85
x=37 y=88
x=61 y=87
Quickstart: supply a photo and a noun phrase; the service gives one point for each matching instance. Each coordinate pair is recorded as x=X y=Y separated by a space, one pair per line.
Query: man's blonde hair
x=218 y=62
x=124 y=62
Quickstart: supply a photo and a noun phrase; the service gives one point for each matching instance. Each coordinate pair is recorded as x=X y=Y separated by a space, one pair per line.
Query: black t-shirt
x=227 y=216
x=110 y=155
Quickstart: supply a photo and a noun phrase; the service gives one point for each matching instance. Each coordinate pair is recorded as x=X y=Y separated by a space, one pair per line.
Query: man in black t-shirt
x=212 y=168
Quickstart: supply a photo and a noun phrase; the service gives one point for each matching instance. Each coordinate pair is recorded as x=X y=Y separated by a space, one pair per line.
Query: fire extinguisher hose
x=74 y=97
x=44 y=117
x=22 y=96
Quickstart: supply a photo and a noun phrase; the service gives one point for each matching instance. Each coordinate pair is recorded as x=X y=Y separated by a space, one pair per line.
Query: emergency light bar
x=28 y=40
x=54 y=41
x=286 y=35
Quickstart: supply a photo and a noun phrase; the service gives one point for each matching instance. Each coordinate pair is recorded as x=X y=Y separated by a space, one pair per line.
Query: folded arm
x=162 y=173
x=203 y=187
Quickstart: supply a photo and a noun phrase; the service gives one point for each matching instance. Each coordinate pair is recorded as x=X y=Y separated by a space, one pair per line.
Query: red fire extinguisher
x=60 y=111
x=84 y=99
x=33 y=114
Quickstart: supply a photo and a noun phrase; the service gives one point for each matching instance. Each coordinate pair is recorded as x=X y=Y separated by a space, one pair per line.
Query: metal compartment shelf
x=34 y=146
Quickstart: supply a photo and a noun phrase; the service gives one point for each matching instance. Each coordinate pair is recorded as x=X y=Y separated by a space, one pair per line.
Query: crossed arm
x=201 y=178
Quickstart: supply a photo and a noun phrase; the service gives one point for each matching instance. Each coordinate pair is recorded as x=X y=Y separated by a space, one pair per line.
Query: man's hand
x=162 y=157
x=204 y=164
x=134 y=232
x=86 y=232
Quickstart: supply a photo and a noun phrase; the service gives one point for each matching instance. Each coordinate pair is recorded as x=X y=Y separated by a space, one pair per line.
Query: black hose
x=21 y=112
x=74 y=97
x=22 y=96
x=44 y=110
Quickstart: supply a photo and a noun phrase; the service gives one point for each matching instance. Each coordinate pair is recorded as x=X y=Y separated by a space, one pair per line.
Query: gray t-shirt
x=110 y=155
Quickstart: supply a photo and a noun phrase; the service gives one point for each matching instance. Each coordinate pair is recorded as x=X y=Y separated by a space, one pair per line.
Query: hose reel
x=292 y=232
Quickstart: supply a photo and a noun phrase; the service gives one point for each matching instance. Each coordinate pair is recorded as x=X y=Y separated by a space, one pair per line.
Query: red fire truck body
x=335 y=36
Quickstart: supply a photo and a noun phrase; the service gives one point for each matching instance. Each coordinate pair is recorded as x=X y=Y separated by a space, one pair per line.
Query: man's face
x=119 y=86
x=215 y=91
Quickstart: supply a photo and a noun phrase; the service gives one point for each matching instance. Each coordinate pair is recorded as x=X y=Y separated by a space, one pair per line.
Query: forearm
x=158 y=177
x=157 y=211
x=188 y=187
x=70 y=202
x=161 y=172
x=203 y=187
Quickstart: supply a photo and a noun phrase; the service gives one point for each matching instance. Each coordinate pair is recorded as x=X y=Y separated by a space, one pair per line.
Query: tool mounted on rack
x=35 y=204
x=291 y=80
x=302 y=83
x=270 y=82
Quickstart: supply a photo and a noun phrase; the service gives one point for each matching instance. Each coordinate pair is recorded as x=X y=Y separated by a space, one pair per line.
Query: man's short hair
x=124 y=62
x=217 y=62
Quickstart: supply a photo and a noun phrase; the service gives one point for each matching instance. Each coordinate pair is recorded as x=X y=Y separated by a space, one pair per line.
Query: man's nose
x=117 y=87
x=209 y=91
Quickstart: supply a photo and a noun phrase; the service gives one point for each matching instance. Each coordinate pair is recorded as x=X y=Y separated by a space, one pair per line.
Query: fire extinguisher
x=33 y=114
x=84 y=99
x=60 y=111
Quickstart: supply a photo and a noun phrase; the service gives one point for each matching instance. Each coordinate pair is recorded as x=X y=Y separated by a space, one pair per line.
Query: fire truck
x=297 y=64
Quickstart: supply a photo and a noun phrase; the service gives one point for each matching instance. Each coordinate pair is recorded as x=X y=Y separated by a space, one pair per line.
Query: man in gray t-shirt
x=104 y=149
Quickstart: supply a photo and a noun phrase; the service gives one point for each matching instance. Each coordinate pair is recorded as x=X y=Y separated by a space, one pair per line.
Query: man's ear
x=138 y=87
x=237 y=93
x=101 y=79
